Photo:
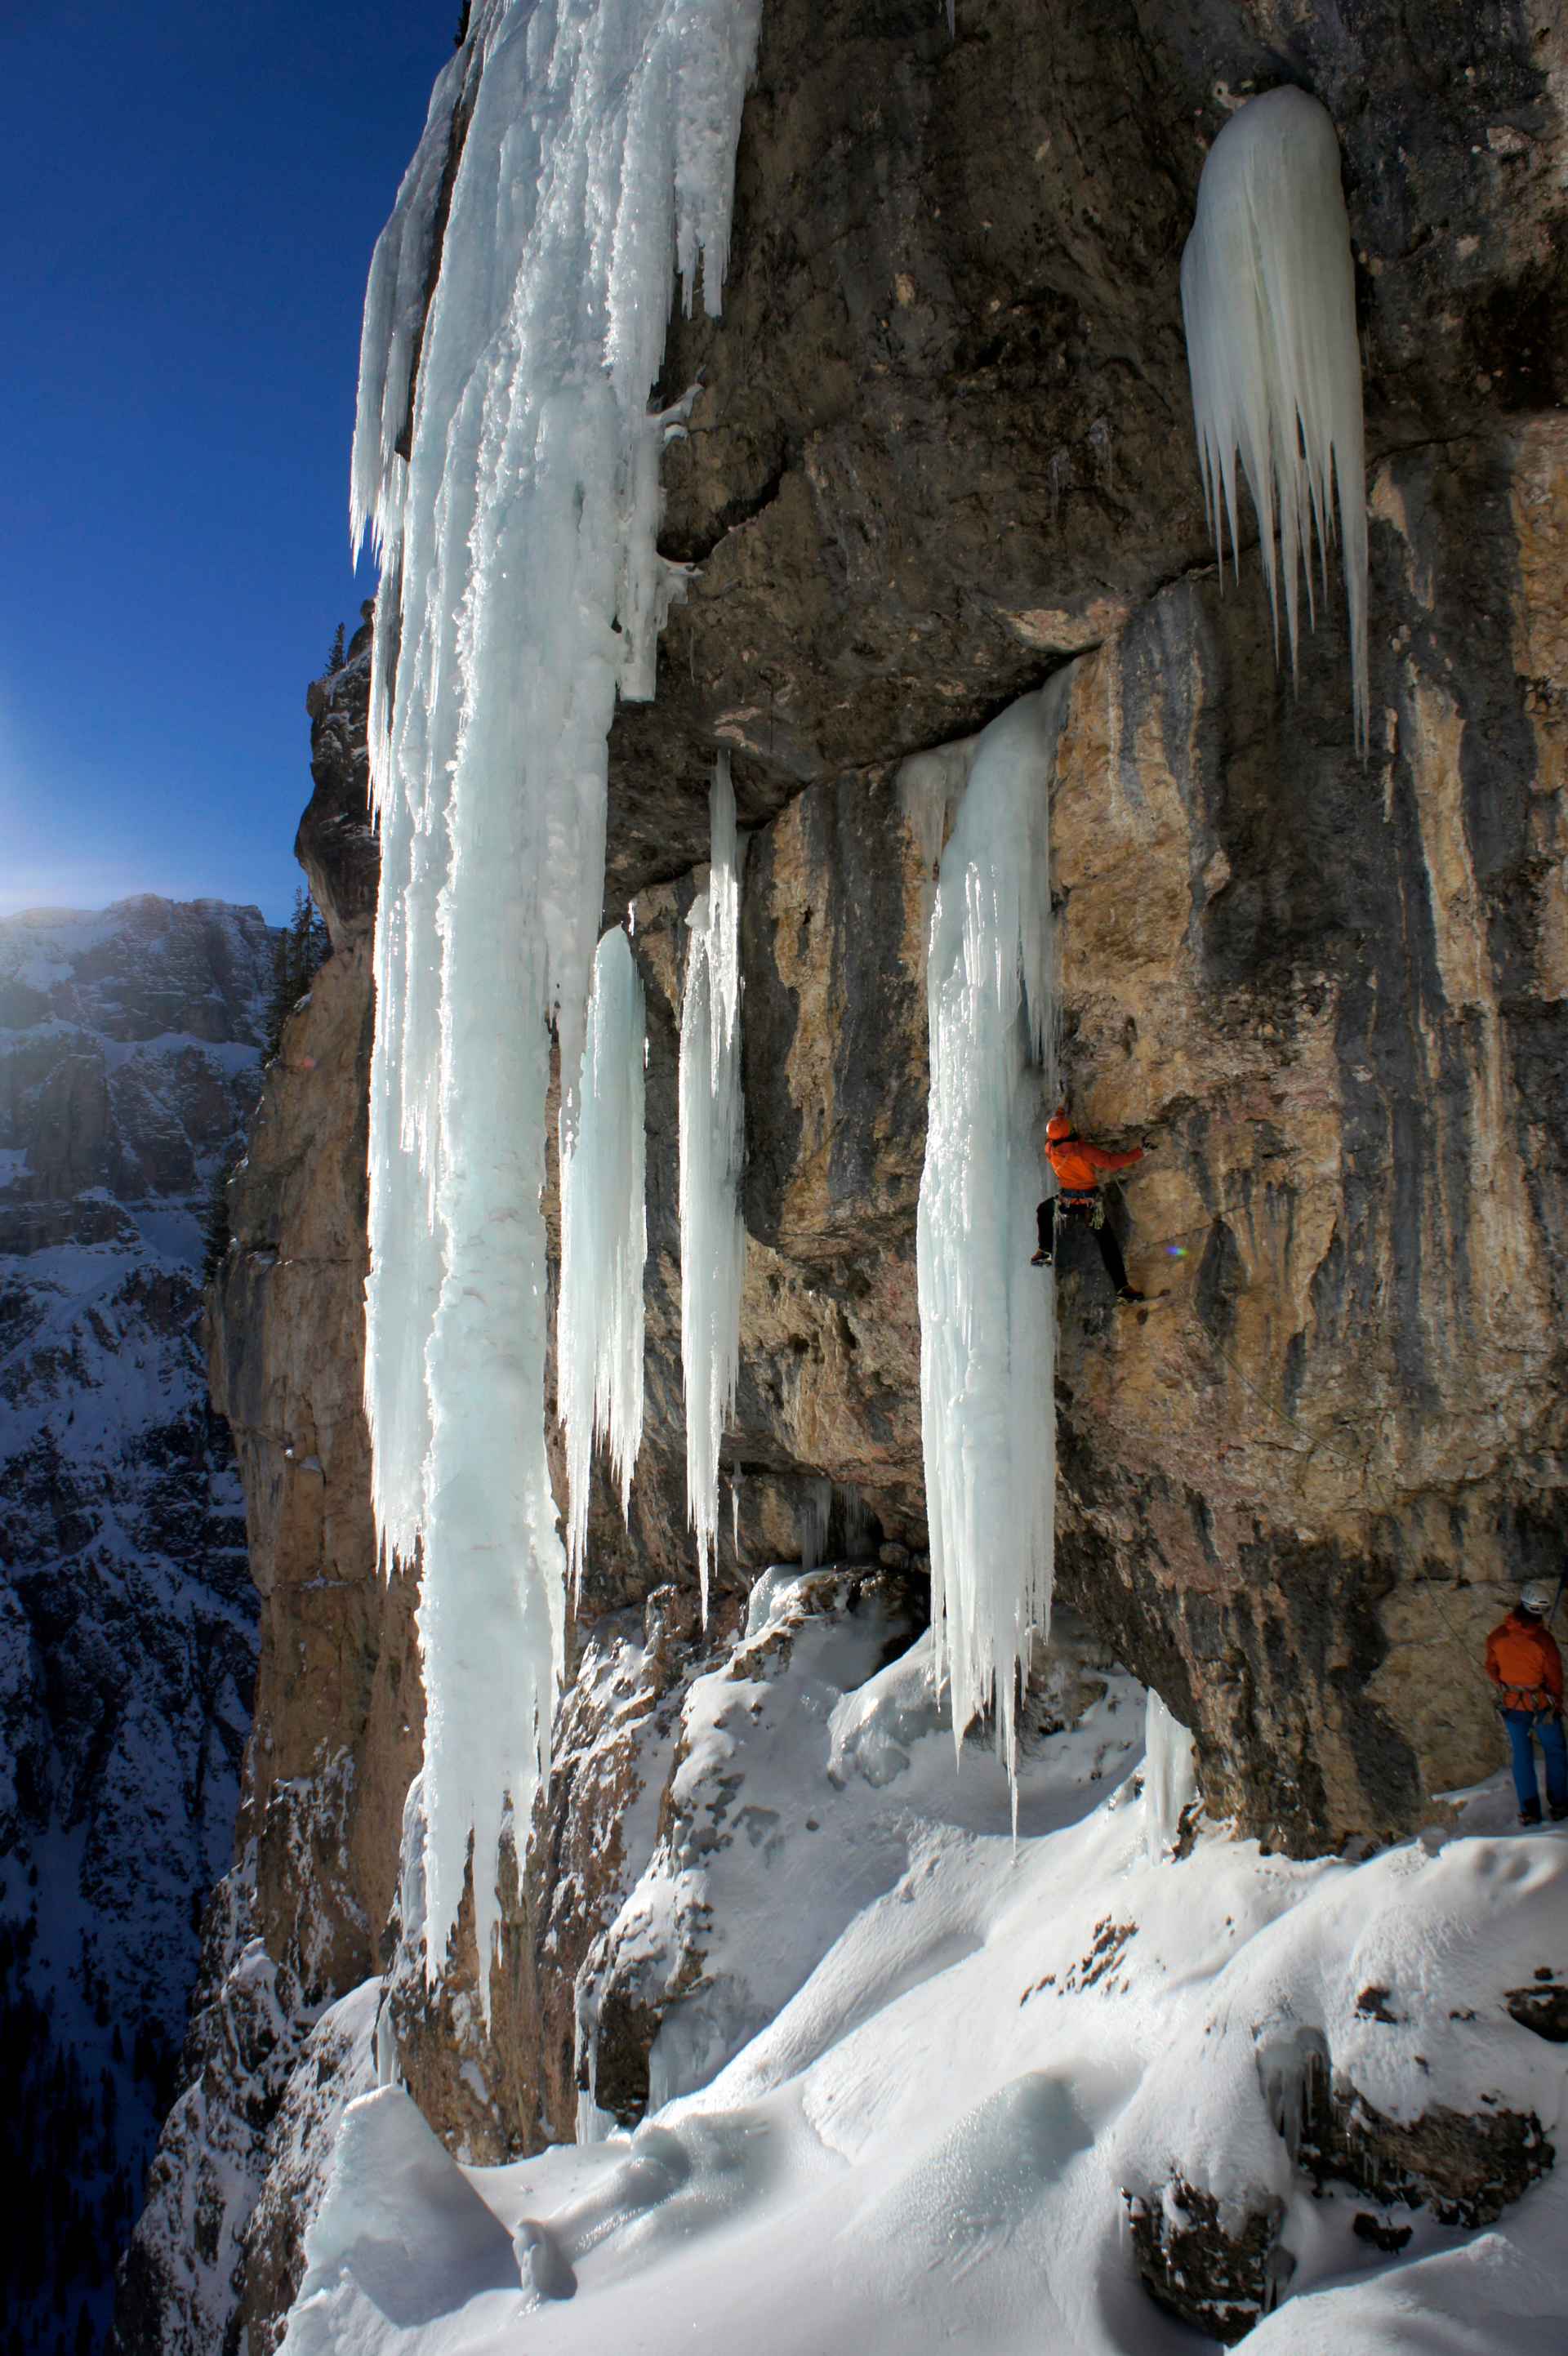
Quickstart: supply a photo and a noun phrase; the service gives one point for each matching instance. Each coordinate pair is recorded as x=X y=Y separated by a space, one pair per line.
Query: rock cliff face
x=130 y=1051
x=943 y=449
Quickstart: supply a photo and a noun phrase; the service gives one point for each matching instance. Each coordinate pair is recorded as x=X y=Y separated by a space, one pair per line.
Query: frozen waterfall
x=506 y=463
x=604 y=1242
x=713 y=1239
x=1268 y=294
x=1170 y=1777
x=987 y=1317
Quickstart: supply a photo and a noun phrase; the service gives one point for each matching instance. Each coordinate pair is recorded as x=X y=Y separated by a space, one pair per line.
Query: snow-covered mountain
x=130 y=1054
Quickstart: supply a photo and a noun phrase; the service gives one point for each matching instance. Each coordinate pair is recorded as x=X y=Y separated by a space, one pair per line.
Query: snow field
x=1268 y=294
x=929 y=2144
x=520 y=584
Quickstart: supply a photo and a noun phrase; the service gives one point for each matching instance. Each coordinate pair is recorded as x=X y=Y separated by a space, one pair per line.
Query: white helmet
x=1537 y=1595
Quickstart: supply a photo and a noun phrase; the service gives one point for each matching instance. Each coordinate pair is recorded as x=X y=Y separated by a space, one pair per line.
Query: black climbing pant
x=1055 y=1213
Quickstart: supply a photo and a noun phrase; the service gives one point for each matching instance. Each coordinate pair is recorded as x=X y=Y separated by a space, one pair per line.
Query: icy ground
x=930 y=2145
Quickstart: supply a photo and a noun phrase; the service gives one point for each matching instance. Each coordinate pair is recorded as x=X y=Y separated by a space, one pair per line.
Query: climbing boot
x=1531 y=1813
x=1039 y=1259
x=1558 y=1810
x=1131 y=1292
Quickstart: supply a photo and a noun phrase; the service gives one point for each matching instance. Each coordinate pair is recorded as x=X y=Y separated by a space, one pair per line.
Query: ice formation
x=987 y=1317
x=713 y=1239
x=506 y=463
x=812 y=1515
x=1170 y=1776
x=604 y=1242
x=1268 y=294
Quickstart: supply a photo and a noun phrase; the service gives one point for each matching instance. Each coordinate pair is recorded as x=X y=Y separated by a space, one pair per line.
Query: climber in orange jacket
x=1079 y=1167
x=1524 y=1664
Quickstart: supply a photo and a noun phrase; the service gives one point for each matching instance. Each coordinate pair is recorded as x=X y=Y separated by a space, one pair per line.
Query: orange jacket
x=1079 y=1166
x=1522 y=1658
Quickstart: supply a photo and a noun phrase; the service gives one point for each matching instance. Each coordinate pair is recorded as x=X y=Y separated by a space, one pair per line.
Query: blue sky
x=189 y=193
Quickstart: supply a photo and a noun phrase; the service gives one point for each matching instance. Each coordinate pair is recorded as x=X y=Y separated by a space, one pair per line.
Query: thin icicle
x=813 y=1513
x=713 y=1239
x=987 y=1317
x=1268 y=294
x=604 y=1242
x=513 y=500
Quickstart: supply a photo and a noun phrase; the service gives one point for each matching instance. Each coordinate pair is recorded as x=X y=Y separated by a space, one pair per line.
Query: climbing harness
x=1090 y=1206
x=1536 y=1699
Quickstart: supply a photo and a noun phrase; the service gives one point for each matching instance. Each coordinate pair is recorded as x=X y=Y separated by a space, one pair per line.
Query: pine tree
x=335 y=660
x=302 y=948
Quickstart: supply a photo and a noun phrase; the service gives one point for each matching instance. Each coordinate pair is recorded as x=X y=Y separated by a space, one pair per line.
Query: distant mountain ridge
x=131 y=1042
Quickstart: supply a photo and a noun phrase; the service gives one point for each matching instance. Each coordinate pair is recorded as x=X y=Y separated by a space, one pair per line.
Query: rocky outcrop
x=130 y=1052
x=1221 y=2271
x=945 y=445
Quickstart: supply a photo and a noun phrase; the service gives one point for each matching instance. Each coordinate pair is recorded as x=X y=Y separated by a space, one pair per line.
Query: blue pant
x=1521 y=1724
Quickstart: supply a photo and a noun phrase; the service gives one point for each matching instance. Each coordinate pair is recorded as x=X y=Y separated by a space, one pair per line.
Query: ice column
x=1170 y=1777
x=604 y=1242
x=502 y=453
x=1268 y=294
x=987 y=1317
x=713 y=1239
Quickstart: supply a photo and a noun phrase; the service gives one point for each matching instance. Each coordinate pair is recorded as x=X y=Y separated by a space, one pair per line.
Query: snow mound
x=1007 y=2055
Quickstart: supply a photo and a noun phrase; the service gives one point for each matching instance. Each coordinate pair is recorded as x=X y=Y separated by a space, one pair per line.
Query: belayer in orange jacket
x=1079 y=1168
x=1524 y=1664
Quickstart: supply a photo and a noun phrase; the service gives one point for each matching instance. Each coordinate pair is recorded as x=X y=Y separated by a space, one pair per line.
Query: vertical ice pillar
x=1170 y=1777
x=987 y=1317
x=574 y=160
x=1268 y=294
x=604 y=1242
x=713 y=1238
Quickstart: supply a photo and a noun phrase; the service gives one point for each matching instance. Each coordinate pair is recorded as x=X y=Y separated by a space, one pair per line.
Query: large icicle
x=511 y=504
x=713 y=1238
x=604 y=1242
x=1268 y=294
x=987 y=1317
x=1170 y=1777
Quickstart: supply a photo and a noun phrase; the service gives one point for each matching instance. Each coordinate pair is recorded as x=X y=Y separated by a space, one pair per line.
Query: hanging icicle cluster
x=987 y=1317
x=713 y=1238
x=1269 y=296
x=506 y=463
x=604 y=1242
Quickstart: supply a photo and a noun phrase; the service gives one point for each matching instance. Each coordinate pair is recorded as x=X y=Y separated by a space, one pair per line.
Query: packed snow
x=966 y=2059
x=712 y=1145
x=604 y=1240
x=987 y=1317
x=510 y=484
x=1268 y=294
